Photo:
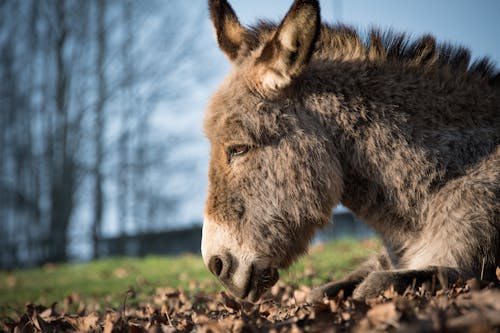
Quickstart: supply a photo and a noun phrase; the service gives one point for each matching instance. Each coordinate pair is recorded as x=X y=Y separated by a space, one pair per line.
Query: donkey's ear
x=290 y=49
x=230 y=33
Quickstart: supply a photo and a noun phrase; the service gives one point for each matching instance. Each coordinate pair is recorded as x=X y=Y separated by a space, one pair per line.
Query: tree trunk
x=127 y=102
x=62 y=168
x=99 y=126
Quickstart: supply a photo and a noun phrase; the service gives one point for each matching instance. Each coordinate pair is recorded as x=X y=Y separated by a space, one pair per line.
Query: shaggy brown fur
x=404 y=133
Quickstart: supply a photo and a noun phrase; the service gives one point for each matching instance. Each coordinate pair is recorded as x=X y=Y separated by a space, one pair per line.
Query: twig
x=433 y=284
x=443 y=278
x=482 y=267
x=130 y=293
x=124 y=304
x=168 y=318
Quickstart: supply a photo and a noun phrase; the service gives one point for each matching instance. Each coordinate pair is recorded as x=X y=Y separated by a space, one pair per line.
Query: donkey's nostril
x=216 y=265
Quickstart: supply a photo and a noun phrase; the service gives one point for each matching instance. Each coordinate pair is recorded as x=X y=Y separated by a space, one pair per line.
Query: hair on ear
x=228 y=30
x=289 y=51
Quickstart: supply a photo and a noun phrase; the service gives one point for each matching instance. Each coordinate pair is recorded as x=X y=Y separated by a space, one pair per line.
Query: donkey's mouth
x=260 y=281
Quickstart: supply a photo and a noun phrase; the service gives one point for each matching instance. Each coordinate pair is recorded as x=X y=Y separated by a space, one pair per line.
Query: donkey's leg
x=460 y=234
x=378 y=282
x=461 y=224
x=349 y=283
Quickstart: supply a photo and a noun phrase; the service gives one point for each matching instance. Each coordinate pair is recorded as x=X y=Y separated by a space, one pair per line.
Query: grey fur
x=405 y=134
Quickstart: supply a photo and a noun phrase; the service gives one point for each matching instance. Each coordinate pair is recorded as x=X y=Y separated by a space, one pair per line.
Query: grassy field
x=105 y=282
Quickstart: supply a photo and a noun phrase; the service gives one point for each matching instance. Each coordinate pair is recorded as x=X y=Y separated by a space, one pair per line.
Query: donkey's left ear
x=228 y=30
x=290 y=49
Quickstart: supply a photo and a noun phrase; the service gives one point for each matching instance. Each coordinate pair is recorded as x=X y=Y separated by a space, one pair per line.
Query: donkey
x=404 y=132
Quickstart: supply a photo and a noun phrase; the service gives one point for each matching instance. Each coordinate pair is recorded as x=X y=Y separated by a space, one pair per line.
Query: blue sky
x=475 y=24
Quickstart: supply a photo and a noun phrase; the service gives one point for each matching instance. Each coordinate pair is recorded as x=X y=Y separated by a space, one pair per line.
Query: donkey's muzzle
x=243 y=282
x=261 y=281
x=220 y=265
x=243 y=272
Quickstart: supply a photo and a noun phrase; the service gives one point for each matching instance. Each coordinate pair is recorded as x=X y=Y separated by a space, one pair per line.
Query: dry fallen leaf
x=383 y=314
x=463 y=307
x=230 y=302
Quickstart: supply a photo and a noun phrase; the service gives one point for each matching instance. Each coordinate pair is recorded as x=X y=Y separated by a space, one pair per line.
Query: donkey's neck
x=399 y=132
x=385 y=174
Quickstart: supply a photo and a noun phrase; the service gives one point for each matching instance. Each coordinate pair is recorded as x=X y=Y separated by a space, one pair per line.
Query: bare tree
x=126 y=115
x=82 y=81
x=99 y=124
x=61 y=158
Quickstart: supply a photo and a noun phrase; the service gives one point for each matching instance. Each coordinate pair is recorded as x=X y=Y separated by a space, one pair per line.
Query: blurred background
x=101 y=104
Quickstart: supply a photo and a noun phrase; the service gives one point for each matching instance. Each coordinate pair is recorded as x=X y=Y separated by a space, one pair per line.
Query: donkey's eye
x=237 y=150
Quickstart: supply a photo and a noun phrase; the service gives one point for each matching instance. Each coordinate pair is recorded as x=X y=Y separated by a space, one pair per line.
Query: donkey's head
x=273 y=177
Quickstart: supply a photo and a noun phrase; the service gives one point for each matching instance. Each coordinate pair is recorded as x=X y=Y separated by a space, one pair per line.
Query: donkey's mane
x=342 y=42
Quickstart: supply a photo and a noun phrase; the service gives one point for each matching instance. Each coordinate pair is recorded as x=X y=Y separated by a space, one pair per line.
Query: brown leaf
x=111 y=321
x=231 y=302
x=49 y=312
x=11 y=280
x=383 y=314
x=474 y=284
x=238 y=325
x=295 y=329
x=121 y=272
x=83 y=323
x=275 y=290
x=69 y=300
x=300 y=296
x=41 y=324
x=346 y=316
x=390 y=293
x=212 y=327
x=200 y=319
x=302 y=313
x=333 y=305
x=134 y=329
x=167 y=329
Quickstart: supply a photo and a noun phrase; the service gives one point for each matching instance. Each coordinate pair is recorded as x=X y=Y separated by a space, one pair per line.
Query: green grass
x=106 y=282
x=326 y=262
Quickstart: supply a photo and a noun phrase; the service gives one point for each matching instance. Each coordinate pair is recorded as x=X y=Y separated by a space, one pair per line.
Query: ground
x=163 y=294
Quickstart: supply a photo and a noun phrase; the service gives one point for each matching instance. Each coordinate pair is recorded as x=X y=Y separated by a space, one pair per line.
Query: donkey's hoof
x=364 y=292
x=373 y=285
x=316 y=295
x=329 y=290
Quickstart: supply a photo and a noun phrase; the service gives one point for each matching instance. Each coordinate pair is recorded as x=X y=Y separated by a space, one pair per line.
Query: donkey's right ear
x=230 y=33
